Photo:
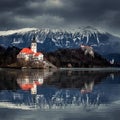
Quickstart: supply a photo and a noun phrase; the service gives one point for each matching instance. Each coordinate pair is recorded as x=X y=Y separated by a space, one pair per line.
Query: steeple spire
x=34 y=45
x=33 y=40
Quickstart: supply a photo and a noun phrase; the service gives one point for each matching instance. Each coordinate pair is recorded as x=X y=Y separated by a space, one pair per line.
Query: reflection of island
x=28 y=79
x=84 y=80
x=22 y=79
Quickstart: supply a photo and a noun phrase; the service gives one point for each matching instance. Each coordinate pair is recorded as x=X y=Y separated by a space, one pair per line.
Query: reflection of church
x=29 y=80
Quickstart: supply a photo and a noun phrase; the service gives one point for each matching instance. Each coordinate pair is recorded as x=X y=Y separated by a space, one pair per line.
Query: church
x=31 y=54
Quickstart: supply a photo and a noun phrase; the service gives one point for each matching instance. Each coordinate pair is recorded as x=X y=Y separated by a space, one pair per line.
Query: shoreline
x=72 y=69
x=93 y=69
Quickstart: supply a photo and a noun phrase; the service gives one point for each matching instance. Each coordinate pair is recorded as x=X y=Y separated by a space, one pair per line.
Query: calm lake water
x=72 y=94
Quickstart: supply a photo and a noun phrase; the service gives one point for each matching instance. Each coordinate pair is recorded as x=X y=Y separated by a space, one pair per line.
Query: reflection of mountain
x=60 y=89
x=63 y=92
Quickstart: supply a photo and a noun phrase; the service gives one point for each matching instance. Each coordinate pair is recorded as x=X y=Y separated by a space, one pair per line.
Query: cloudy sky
x=104 y=14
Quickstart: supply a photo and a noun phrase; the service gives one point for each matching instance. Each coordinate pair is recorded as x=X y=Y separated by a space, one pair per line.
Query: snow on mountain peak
x=85 y=31
x=20 y=31
x=61 y=37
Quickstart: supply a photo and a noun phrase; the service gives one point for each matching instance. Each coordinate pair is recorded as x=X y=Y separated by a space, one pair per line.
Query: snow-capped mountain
x=53 y=39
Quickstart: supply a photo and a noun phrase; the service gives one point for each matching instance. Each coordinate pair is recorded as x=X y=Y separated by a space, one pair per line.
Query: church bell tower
x=34 y=45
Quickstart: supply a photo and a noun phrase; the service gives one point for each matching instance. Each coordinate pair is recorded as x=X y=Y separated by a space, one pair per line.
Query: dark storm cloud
x=59 y=13
x=9 y=5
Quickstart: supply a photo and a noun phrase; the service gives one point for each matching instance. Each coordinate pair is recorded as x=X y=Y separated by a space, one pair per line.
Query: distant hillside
x=59 y=58
x=75 y=58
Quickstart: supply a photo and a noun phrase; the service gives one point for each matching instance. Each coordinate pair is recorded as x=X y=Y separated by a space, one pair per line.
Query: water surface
x=71 y=94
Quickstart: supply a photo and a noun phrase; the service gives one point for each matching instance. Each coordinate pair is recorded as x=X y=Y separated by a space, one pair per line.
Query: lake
x=64 y=94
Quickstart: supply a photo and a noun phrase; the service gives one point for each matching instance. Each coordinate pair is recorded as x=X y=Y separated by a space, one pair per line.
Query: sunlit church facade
x=31 y=54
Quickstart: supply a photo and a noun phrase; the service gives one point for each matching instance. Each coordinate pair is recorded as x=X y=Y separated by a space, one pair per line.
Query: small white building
x=87 y=50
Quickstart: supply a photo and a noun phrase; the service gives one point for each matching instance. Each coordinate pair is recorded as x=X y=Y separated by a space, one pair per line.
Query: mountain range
x=50 y=40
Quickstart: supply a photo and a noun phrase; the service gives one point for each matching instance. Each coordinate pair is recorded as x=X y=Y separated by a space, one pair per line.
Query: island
x=29 y=57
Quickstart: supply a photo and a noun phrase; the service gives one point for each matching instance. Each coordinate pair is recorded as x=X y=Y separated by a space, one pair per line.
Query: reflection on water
x=42 y=89
x=59 y=95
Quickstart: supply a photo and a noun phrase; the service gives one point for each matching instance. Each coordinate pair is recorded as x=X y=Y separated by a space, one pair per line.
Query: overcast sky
x=104 y=14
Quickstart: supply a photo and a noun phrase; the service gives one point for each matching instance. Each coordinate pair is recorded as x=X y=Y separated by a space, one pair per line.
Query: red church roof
x=29 y=86
x=38 y=53
x=27 y=51
x=26 y=86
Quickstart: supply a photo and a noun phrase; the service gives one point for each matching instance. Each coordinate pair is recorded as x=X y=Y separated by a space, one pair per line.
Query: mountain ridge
x=53 y=39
